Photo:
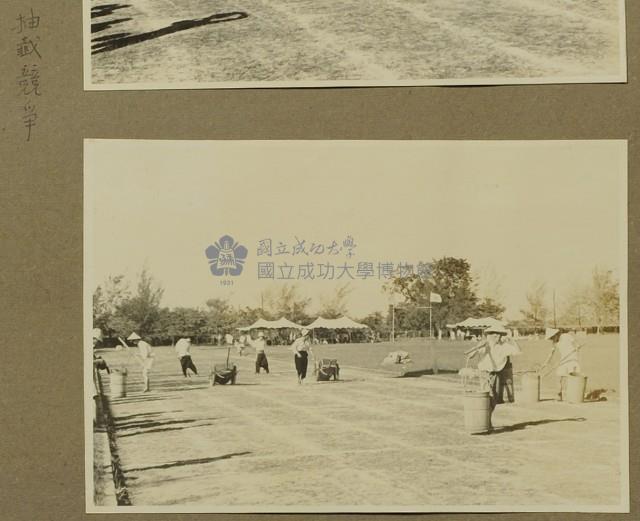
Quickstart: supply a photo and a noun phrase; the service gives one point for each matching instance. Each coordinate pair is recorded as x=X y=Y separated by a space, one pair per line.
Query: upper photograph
x=174 y=44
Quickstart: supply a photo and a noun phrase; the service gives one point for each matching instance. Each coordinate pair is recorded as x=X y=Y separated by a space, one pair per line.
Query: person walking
x=301 y=348
x=183 y=350
x=495 y=353
x=567 y=347
x=145 y=356
x=261 y=357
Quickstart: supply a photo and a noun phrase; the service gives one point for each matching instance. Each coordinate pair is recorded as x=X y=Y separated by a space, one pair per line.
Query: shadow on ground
x=523 y=425
x=183 y=463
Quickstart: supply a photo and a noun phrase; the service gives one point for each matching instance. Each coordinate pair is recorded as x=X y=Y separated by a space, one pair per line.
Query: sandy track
x=368 y=440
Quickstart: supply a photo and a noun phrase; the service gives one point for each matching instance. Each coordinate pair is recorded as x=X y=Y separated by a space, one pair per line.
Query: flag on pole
x=434 y=297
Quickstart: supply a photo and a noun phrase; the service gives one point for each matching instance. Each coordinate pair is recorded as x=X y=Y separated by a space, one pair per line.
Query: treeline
x=118 y=310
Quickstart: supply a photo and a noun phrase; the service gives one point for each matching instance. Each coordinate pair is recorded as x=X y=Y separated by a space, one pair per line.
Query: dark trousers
x=261 y=361
x=187 y=363
x=302 y=362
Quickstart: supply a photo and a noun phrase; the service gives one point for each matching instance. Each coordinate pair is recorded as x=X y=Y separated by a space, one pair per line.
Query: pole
x=430 y=334
x=555 y=323
x=393 y=323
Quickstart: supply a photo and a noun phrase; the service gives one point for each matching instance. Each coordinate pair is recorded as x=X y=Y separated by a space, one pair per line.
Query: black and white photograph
x=173 y=44
x=356 y=326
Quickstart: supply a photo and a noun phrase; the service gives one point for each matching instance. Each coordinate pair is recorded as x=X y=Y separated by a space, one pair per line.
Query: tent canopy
x=336 y=323
x=480 y=323
x=281 y=323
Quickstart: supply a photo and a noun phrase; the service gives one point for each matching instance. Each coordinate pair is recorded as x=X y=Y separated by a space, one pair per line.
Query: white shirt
x=182 y=347
x=300 y=344
x=495 y=357
x=259 y=344
x=144 y=350
x=568 y=350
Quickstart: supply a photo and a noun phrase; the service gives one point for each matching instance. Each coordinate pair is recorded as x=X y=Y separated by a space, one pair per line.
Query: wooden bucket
x=576 y=386
x=118 y=384
x=530 y=392
x=477 y=412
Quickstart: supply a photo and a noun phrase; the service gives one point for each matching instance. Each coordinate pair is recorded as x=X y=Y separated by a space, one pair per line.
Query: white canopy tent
x=480 y=323
x=336 y=323
x=281 y=323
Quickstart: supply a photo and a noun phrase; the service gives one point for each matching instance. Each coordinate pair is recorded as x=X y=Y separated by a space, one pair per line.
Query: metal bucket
x=118 y=384
x=530 y=392
x=576 y=386
x=477 y=412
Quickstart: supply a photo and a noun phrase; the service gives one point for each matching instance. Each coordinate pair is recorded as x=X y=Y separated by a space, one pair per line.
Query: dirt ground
x=314 y=40
x=368 y=441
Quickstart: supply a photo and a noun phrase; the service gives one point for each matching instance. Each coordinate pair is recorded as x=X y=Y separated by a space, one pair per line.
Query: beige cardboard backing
x=41 y=445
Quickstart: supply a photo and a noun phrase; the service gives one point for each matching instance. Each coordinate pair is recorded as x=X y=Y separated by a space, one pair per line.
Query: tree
x=536 y=312
x=489 y=308
x=603 y=298
x=143 y=309
x=221 y=316
x=451 y=279
x=286 y=301
x=336 y=305
x=378 y=323
x=574 y=309
x=106 y=301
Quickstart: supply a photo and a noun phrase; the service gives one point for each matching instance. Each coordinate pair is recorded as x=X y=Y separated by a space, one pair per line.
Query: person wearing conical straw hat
x=495 y=353
x=301 y=348
x=567 y=347
x=145 y=356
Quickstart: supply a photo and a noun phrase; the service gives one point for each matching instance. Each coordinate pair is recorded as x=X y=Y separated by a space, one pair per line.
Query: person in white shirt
x=145 y=356
x=567 y=347
x=495 y=353
x=301 y=348
x=261 y=357
x=183 y=350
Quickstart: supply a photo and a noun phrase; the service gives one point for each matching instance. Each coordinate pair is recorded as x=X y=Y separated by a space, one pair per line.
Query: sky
x=519 y=212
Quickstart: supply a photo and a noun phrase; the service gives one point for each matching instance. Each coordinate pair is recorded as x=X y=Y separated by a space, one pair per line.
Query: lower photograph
x=355 y=326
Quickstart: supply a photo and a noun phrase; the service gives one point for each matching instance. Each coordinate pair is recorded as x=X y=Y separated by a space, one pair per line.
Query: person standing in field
x=145 y=356
x=261 y=357
x=567 y=347
x=183 y=350
x=301 y=348
x=495 y=353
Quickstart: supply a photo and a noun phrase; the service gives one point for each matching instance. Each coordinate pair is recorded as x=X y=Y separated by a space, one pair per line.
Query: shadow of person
x=117 y=42
x=523 y=425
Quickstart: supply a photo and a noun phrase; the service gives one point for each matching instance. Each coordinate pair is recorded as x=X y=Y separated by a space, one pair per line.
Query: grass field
x=310 y=40
x=368 y=441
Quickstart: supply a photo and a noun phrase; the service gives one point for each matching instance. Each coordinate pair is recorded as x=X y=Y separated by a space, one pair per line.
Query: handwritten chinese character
x=29 y=80
x=27 y=22
x=316 y=249
x=350 y=244
x=29 y=118
x=264 y=247
x=281 y=249
x=333 y=248
x=27 y=47
x=299 y=247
